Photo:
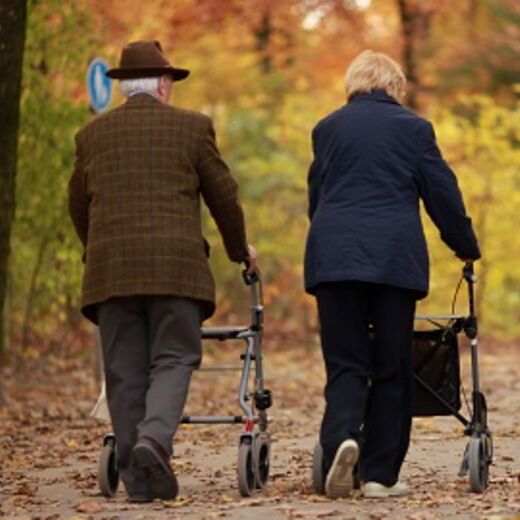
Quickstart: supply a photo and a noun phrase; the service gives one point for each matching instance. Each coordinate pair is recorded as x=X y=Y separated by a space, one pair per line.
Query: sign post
x=99 y=86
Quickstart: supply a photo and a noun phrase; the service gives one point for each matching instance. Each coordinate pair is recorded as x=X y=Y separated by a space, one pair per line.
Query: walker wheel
x=318 y=473
x=245 y=469
x=479 y=460
x=261 y=461
x=108 y=473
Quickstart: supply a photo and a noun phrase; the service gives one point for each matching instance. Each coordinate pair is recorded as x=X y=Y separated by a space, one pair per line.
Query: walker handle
x=469 y=273
x=250 y=278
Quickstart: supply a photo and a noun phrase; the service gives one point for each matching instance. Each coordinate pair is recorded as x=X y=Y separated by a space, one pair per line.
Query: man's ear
x=161 y=86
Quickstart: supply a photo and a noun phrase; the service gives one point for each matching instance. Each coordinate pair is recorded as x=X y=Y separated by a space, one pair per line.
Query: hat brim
x=174 y=73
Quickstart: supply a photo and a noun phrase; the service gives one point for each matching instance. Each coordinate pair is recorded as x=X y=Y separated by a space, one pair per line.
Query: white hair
x=130 y=87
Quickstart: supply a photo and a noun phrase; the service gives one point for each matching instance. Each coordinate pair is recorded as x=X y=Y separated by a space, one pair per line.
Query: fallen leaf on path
x=89 y=507
x=419 y=516
x=177 y=502
x=227 y=499
x=305 y=513
x=26 y=490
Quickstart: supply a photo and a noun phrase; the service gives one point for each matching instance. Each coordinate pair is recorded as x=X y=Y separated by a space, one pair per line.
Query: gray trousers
x=151 y=345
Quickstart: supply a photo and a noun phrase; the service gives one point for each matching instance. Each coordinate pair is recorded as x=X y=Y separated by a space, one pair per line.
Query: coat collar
x=375 y=95
x=141 y=99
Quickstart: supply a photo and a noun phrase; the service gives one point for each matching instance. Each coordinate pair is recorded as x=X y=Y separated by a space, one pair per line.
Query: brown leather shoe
x=151 y=456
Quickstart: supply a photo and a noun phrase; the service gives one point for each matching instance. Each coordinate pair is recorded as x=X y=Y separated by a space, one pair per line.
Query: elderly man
x=134 y=201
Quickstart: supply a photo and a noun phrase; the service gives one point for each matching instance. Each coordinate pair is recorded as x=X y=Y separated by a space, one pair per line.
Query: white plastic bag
x=100 y=410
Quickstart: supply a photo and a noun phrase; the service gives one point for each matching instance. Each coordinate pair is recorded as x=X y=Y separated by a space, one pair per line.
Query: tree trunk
x=26 y=328
x=408 y=17
x=13 y=17
x=263 y=35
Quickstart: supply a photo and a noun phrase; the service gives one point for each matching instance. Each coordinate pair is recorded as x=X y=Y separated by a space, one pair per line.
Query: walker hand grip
x=250 y=278
x=468 y=272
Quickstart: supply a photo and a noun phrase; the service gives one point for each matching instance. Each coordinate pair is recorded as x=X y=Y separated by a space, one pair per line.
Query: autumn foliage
x=266 y=71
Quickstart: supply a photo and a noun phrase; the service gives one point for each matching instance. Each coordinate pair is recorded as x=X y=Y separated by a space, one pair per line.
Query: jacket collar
x=375 y=95
x=141 y=99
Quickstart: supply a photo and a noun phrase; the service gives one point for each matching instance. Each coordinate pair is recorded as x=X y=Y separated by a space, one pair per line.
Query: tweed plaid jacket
x=134 y=200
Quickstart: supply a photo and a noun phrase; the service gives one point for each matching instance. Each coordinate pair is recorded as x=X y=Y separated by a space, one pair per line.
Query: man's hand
x=251 y=259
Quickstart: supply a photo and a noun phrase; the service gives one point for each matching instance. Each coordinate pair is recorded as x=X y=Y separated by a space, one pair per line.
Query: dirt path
x=49 y=449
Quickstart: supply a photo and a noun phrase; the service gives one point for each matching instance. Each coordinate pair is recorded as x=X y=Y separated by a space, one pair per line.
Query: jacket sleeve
x=314 y=178
x=220 y=193
x=442 y=198
x=78 y=198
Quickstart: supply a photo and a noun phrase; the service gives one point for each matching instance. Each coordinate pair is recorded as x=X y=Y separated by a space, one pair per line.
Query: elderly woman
x=366 y=262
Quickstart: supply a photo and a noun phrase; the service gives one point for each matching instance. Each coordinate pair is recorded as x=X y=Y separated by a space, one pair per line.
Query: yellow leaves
x=227 y=499
x=18 y=462
x=501 y=517
x=178 y=502
x=479 y=139
x=31 y=353
x=71 y=443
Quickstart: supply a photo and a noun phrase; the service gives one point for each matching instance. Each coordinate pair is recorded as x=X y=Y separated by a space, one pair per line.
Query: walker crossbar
x=216 y=419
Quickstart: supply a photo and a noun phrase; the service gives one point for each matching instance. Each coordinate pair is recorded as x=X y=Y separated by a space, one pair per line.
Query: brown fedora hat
x=145 y=59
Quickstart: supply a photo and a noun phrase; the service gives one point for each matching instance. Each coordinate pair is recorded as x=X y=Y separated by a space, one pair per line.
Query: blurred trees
x=266 y=72
x=481 y=141
x=45 y=269
x=448 y=47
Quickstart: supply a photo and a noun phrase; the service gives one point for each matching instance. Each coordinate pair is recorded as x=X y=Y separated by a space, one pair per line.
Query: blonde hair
x=375 y=71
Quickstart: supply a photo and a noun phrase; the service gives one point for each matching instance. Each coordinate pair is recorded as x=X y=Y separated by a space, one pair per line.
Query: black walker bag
x=437 y=371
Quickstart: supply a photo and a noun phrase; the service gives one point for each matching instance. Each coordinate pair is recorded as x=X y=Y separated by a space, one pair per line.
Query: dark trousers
x=151 y=345
x=369 y=376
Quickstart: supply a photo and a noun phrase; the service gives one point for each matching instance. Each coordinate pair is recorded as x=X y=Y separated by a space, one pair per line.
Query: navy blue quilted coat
x=373 y=161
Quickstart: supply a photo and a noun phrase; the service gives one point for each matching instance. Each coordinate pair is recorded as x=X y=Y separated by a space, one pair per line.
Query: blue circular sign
x=99 y=86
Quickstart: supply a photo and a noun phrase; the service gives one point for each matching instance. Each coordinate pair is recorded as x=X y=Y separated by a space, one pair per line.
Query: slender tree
x=409 y=27
x=13 y=18
x=416 y=18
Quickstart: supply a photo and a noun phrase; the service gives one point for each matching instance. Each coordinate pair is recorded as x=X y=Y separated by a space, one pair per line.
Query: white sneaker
x=340 y=478
x=377 y=490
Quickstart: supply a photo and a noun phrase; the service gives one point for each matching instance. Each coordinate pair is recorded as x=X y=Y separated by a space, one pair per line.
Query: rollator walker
x=254 y=446
x=438 y=388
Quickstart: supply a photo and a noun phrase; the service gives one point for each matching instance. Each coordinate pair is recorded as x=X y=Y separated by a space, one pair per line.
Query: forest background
x=266 y=71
